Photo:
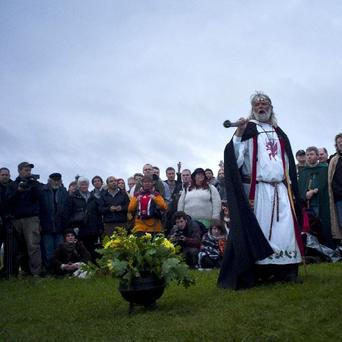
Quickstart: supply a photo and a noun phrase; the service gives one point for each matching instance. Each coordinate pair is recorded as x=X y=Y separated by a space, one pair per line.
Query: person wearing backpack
x=147 y=206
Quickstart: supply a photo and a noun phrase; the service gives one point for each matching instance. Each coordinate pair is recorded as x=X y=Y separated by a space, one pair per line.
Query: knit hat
x=197 y=171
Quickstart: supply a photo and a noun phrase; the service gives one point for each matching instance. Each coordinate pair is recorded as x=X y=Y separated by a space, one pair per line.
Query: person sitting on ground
x=212 y=247
x=147 y=206
x=186 y=234
x=70 y=255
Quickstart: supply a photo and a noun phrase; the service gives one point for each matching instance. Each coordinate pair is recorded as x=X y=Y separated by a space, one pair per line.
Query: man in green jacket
x=313 y=190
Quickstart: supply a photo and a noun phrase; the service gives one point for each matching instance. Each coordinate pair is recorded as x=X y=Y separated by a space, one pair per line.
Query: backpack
x=147 y=208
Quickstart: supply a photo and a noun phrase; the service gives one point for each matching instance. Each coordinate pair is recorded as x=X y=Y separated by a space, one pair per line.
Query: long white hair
x=257 y=96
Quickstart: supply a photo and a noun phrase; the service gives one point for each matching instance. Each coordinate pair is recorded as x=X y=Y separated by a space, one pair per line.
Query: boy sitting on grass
x=212 y=247
x=70 y=256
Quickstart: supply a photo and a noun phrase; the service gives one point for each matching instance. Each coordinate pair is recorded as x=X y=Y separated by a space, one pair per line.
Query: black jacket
x=4 y=188
x=64 y=255
x=192 y=233
x=107 y=200
x=26 y=203
x=52 y=208
x=83 y=214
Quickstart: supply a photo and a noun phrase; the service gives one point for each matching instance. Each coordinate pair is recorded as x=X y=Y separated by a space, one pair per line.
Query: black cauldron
x=144 y=291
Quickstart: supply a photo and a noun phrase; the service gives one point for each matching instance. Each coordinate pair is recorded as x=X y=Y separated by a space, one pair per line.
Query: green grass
x=93 y=310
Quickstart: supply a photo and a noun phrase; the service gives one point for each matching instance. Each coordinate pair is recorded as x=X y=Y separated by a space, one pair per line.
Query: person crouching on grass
x=212 y=247
x=186 y=234
x=70 y=256
x=147 y=206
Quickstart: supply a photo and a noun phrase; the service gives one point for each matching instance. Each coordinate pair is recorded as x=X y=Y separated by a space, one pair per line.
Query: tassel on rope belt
x=275 y=204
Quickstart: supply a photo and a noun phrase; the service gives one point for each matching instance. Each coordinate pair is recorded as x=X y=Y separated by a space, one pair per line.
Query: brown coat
x=336 y=230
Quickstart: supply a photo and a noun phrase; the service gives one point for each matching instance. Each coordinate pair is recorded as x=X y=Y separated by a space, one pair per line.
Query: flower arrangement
x=129 y=256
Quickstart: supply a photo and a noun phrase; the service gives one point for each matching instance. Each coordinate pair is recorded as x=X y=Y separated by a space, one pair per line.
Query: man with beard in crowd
x=264 y=240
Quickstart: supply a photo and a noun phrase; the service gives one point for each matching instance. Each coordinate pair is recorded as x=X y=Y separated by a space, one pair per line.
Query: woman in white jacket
x=201 y=200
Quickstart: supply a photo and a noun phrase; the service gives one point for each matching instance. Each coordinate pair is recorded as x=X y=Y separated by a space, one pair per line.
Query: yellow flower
x=169 y=245
x=112 y=243
x=147 y=236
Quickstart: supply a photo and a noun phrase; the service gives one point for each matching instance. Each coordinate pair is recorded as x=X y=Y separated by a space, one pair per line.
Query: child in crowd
x=225 y=217
x=212 y=248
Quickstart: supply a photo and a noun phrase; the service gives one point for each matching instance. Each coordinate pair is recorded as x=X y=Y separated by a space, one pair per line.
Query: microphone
x=228 y=123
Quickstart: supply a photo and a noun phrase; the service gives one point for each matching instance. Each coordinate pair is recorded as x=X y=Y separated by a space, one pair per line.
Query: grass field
x=93 y=310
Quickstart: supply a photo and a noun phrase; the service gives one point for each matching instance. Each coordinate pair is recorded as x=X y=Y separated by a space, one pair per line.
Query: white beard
x=263 y=117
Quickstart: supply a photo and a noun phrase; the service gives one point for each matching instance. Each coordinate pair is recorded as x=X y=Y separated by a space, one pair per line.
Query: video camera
x=178 y=236
x=28 y=182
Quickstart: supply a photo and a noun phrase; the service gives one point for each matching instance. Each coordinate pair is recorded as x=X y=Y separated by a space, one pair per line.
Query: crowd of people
x=48 y=228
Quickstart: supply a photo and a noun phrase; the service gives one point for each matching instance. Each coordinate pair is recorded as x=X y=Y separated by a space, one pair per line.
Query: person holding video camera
x=24 y=197
x=187 y=234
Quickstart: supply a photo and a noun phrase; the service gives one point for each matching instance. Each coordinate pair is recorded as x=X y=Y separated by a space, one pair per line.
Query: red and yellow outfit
x=150 y=225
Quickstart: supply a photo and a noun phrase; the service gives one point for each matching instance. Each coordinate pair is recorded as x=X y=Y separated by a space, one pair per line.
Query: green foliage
x=128 y=256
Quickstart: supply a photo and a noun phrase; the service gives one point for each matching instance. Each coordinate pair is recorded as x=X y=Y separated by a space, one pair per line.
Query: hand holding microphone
x=241 y=125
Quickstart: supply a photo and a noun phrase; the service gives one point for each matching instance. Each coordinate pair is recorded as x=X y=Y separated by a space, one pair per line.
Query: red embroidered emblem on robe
x=272 y=148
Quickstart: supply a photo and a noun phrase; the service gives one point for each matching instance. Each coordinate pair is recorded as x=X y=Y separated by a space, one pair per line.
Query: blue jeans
x=49 y=244
x=339 y=212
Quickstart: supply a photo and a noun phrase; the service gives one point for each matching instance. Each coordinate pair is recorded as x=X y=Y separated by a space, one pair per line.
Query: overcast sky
x=102 y=87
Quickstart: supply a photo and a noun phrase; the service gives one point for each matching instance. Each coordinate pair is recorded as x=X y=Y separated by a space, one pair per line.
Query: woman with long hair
x=202 y=201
